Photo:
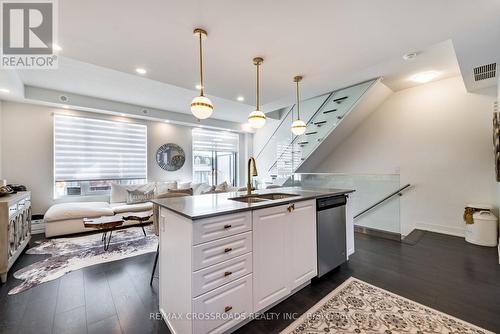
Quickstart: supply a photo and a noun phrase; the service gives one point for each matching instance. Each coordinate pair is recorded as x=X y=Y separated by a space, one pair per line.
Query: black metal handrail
x=397 y=192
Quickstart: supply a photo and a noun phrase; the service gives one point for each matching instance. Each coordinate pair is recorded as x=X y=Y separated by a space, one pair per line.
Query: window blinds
x=93 y=149
x=220 y=141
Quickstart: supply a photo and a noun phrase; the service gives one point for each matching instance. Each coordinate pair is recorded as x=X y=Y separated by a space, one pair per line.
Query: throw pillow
x=119 y=192
x=163 y=186
x=139 y=196
x=222 y=187
x=203 y=187
x=184 y=185
x=181 y=191
x=209 y=190
x=213 y=190
x=170 y=195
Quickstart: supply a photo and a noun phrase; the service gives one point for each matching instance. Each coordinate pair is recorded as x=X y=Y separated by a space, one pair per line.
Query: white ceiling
x=78 y=77
x=333 y=43
x=439 y=58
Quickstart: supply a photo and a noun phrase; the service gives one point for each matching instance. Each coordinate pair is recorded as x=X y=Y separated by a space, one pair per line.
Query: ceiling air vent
x=485 y=72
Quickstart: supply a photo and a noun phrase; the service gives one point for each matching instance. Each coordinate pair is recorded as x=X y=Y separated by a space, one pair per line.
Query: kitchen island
x=228 y=256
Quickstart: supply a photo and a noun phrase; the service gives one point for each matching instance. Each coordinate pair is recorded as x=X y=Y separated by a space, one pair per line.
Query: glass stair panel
x=327 y=118
x=285 y=152
x=280 y=142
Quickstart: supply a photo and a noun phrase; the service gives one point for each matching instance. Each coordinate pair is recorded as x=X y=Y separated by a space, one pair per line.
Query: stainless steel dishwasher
x=331 y=233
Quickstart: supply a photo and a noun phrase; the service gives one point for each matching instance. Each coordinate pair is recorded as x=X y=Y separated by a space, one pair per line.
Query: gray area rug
x=358 y=307
x=69 y=254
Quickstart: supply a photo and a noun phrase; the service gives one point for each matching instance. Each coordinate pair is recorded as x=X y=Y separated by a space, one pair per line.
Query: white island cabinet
x=217 y=272
x=284 y=256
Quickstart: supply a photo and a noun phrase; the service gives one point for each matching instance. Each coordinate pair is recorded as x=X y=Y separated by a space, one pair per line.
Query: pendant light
x=257 y=118
x=298 y=126
x=201 y=106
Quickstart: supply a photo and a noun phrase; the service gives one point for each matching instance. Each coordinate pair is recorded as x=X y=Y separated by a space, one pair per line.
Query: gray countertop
x=211 y=205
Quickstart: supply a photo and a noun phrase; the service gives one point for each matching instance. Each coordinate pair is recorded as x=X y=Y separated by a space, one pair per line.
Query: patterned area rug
x=358 y=307
x=69 y=254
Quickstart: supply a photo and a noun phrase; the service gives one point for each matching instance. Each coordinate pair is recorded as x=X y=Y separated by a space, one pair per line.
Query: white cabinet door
x=349 y=228
x=269 y=256
x=301 y=243
x=162 y=251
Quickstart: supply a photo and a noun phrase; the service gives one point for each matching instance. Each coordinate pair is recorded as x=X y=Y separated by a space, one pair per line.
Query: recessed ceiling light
x=141 y=70
x=166 y=121
x=123 y=115
x=65 y=106
x=4 y=90
x=56 y=47
x=410 y=56
x=424 y=77
x=240 y=98
x=198 y=86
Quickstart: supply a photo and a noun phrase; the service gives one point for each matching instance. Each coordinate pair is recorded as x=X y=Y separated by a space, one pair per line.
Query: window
x=90 y=154
x=215 y=157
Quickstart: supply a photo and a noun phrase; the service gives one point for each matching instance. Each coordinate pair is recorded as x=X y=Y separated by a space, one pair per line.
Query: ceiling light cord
x=298 y=101
x=201 y=66
x=257 y=102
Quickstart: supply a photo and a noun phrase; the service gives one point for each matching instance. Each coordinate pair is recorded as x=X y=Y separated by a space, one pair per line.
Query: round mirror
x=170 y=157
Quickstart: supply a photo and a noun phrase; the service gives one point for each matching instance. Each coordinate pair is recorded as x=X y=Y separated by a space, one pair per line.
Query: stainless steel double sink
x=257 y=198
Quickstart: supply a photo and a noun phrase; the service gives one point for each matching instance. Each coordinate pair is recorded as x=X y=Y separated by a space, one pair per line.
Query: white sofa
x=67 y=218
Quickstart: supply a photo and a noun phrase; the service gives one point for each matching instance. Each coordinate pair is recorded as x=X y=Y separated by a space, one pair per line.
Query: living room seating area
x=67 y=218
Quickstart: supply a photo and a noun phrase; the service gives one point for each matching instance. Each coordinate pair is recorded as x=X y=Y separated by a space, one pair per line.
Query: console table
x=15 y=229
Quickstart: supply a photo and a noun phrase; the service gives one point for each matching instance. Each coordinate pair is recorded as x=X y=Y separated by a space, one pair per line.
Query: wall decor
x=170 y=157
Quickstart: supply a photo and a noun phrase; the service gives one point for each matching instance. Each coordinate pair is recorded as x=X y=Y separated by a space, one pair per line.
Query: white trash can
x=484 y=231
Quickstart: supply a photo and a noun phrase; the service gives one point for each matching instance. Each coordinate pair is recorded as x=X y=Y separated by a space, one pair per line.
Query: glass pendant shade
x=298 y=127
x=202 y=107
x=257 y=119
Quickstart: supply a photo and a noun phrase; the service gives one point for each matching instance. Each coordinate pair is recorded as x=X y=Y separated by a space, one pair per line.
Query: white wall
x=438 y=137
x=498 y=108
x=26 y=142
x=1 y=140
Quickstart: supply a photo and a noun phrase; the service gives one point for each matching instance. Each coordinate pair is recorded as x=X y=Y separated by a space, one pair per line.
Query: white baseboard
x=451 y=230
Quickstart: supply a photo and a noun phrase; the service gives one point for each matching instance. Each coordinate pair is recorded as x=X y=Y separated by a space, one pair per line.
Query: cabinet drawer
x=12 y=210
x=214 y=276
x=220 y=250
x=229 y=304
x=219 y=227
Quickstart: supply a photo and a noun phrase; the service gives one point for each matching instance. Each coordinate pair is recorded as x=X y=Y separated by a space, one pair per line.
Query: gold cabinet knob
x=226 y=250
x=227 y=273
x=228 y=308
x=227 y=226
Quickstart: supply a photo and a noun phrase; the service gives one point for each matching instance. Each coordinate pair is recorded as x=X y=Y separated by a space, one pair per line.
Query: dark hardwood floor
x=440 y=271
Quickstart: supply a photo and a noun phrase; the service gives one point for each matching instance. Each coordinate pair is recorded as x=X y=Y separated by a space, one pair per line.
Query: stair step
x=340 y=99
x=329 y=111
